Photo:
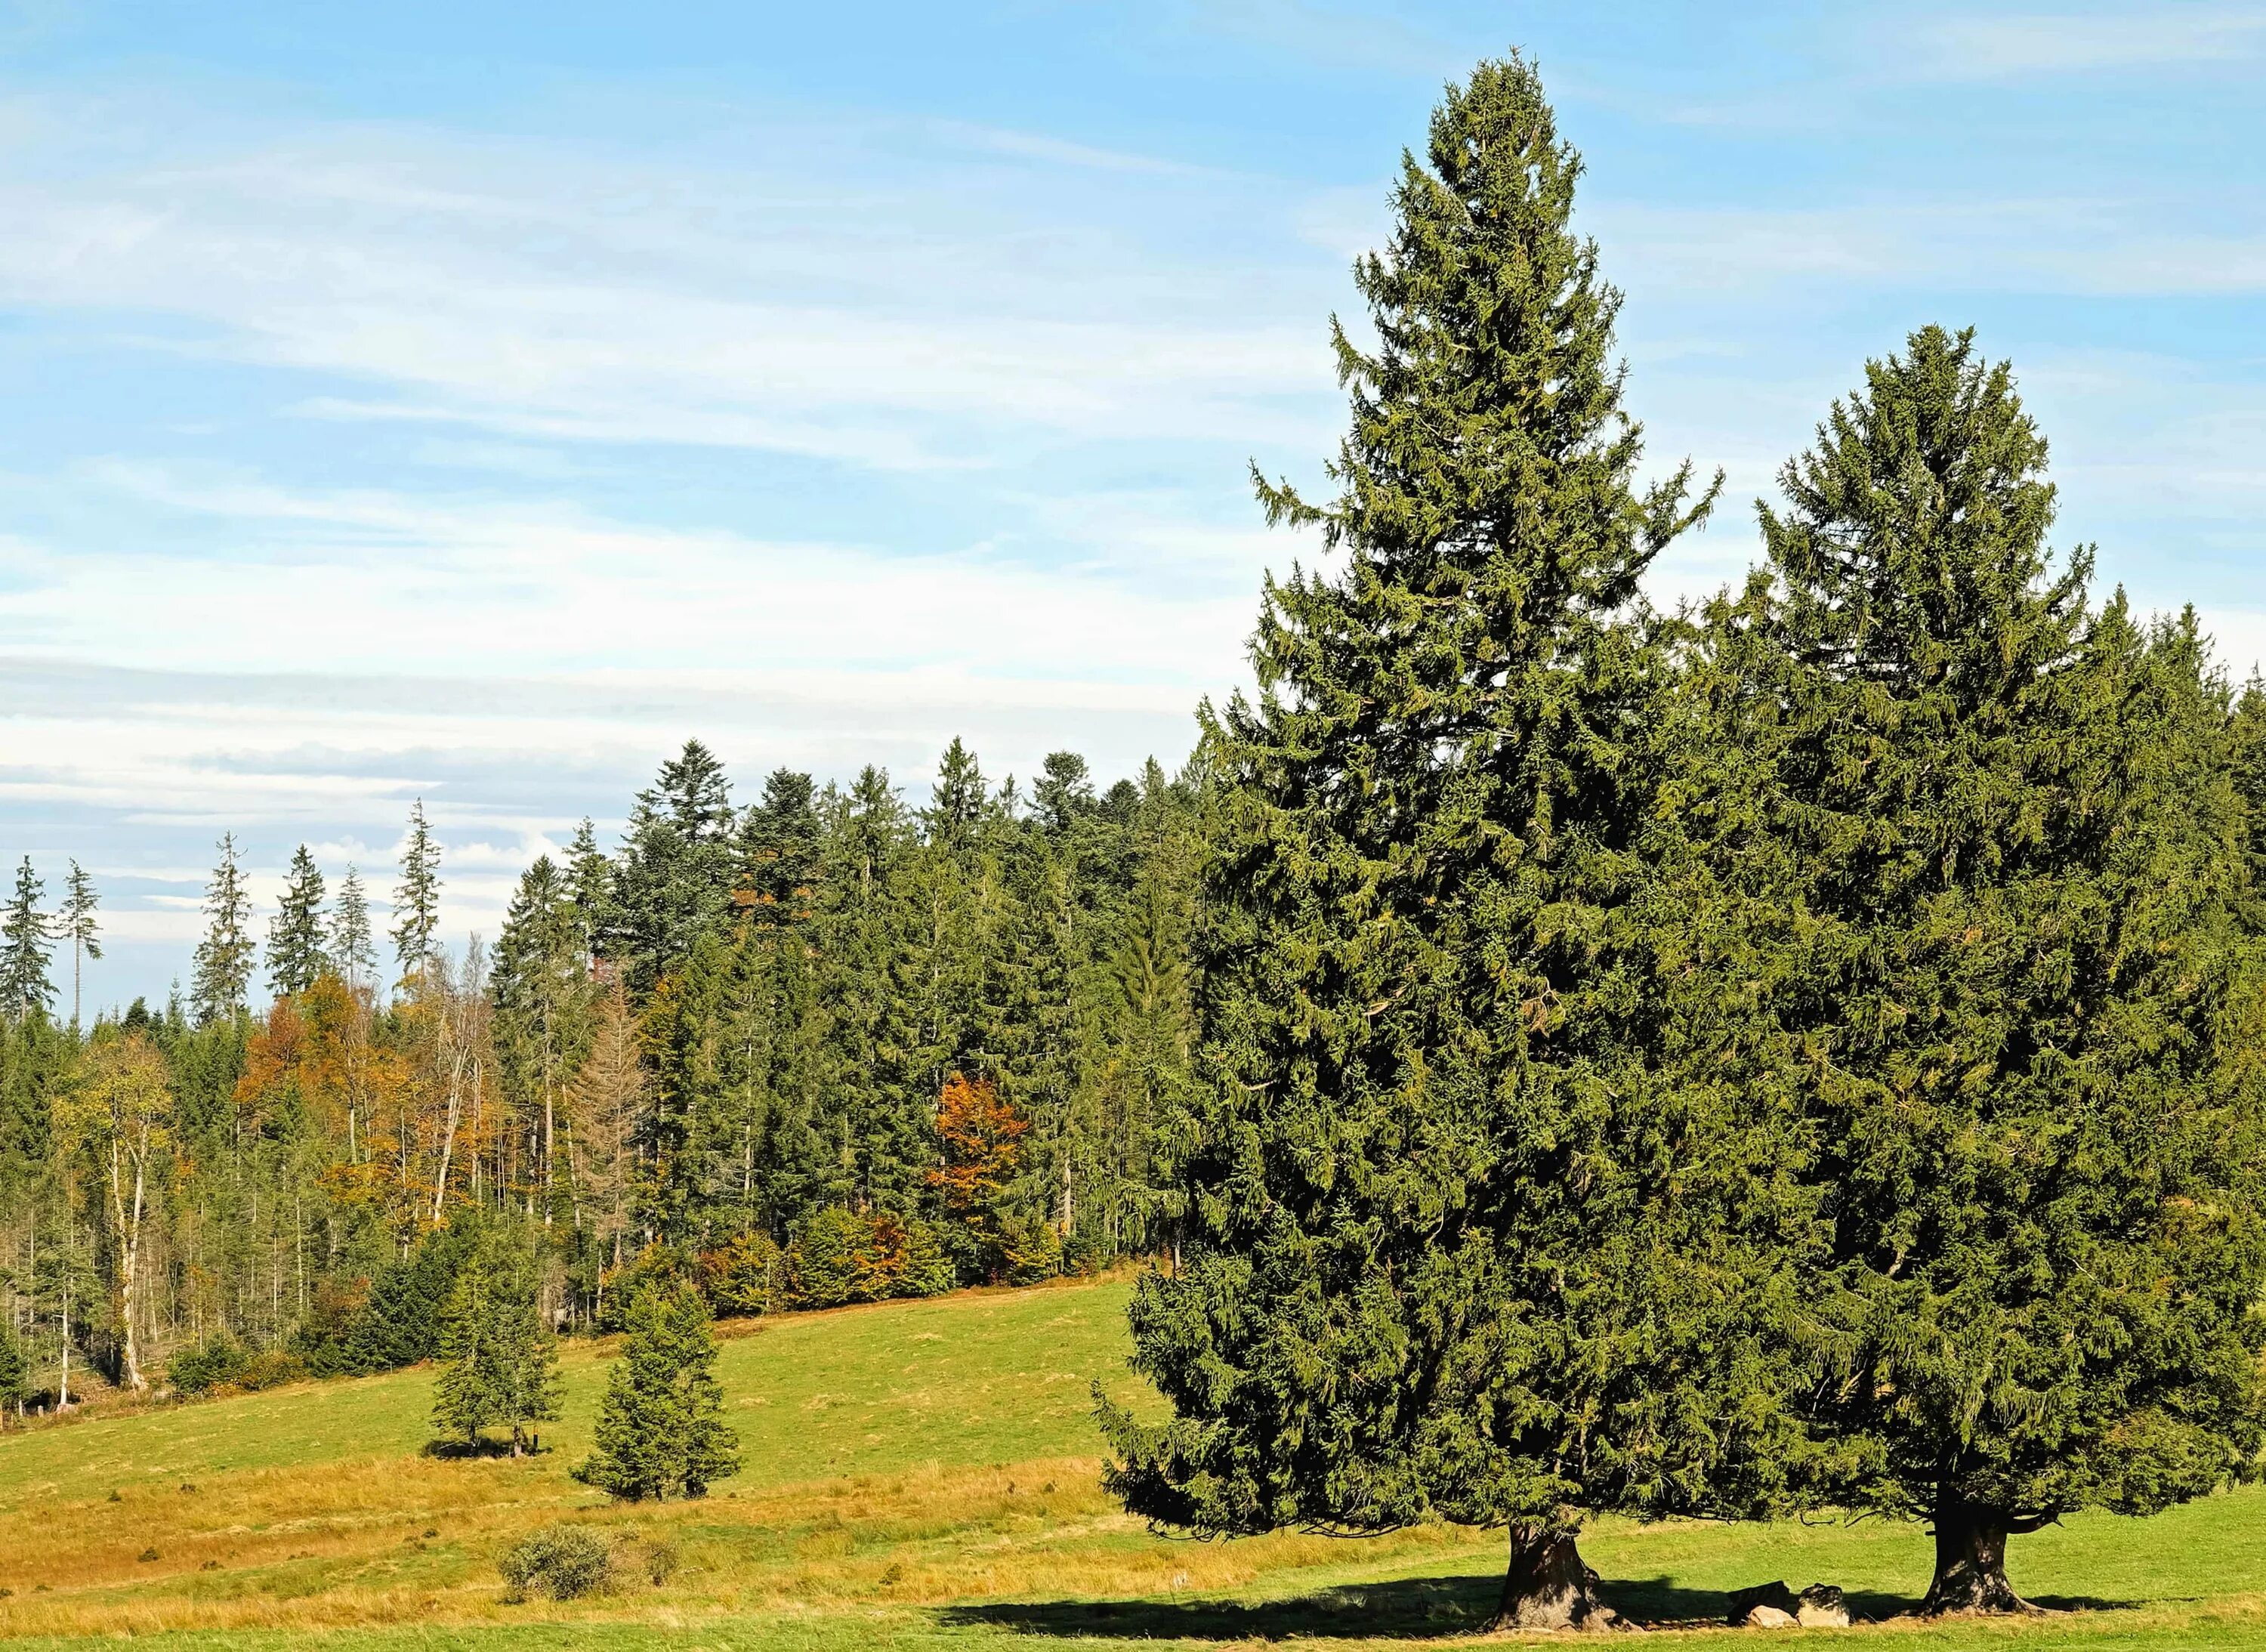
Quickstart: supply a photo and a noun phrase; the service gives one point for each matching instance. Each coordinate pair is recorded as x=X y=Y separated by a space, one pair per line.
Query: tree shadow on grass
x=1413 y=1607
x=1410 y=1608
x=459 y=1450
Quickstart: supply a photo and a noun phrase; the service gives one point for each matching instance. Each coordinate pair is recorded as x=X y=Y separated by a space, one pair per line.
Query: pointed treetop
x=354 y=948
x=417 y=897
x=296 y=954
x=26 y=934
x=221 y=973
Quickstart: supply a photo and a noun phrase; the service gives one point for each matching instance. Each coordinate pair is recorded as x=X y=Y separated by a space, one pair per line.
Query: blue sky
x=472 y=401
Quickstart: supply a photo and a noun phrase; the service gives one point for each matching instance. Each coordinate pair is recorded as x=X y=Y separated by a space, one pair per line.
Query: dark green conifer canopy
x=1464 y=1244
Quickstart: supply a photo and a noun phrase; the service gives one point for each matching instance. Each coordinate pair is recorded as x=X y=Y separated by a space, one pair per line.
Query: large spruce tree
x=27 y=935
x=1459 y=1243
x=2022 y=994
x=222 y=965
x=295 y=953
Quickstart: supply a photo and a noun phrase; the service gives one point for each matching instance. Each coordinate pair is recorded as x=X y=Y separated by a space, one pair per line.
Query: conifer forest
x=835 y=1046
x=1546 y=1054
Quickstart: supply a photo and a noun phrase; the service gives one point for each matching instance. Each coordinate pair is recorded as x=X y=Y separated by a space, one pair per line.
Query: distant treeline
x=815 y=1049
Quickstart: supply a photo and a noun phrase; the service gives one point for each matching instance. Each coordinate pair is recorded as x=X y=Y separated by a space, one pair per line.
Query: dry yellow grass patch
x=346 y=1545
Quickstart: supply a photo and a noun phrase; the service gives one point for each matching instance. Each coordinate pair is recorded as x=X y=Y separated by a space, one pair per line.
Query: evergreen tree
x=296 y=954
x=499 y=1362
x=2017 y=864
x=543 y=999
x=15 y=1372
x=590 y=886
x=25 y=934
x=353 y=946
x=1458 y=1247
x=77 y=924
x=221 y=973
x=676 y=870
x=661 y=1430
x=956 y=802
x=1064 y=791
x=779 y=850
x=417 y=897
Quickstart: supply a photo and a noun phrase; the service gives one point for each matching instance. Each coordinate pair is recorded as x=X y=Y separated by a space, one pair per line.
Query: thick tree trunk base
x=1971 y=1568
x=1548 y=1586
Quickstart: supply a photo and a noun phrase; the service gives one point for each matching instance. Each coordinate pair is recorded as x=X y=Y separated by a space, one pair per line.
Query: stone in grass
x=1769 y=1618
x=1775 y=1595
x=1821 y=1607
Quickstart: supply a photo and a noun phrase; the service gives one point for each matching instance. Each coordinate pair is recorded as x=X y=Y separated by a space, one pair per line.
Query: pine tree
x=25 y=934
x=590 y=886
x=353 y=946
x=1455 y=1248
x=77 y=924
x=661 y=1430
x=296 y=954
x=2023 y=986
x=956 y=802
x=677 y=867
x=15 y=1372
x=500 y=1363
x=417 y=897
x=221 y=972
x=779 y=851
x=543 y=999
x=1064 y=791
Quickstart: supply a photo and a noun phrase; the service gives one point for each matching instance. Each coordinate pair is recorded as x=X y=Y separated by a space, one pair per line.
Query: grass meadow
x=917 y=1475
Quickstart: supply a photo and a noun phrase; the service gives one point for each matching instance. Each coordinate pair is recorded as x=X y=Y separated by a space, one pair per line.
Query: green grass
x=985 y=1377
x=917 y=1475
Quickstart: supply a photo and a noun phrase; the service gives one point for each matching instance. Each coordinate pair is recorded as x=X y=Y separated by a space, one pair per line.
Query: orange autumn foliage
x=981 y=1136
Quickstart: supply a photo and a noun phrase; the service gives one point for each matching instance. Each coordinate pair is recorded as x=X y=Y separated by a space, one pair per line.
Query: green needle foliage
x=501 y=1360
x=1467 y=1241
x=661 y=1429
x=15 y=1373
x=2023 y=992
x=26 y=937
x=296 y=953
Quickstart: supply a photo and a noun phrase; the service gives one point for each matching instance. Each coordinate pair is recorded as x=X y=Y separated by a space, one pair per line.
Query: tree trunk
x=1970 y=1564
x=1548 y=1586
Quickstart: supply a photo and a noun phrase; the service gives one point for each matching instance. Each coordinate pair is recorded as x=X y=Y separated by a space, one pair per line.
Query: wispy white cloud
x=1973 y=46
x=2066 y=245
x=546 y=292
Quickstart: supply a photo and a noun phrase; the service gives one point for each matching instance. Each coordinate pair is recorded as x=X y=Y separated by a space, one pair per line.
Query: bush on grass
x=563 y=1562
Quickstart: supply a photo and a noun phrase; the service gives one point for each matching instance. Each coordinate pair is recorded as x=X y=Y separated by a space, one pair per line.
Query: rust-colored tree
x=982 y=1135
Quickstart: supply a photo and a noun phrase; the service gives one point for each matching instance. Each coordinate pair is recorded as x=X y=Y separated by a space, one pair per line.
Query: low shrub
x=842 y=1256
x=221 y=1364
x=745 y=1275
x=563 y=1562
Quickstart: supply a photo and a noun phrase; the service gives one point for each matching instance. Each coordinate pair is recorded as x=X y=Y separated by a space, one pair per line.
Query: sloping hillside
x=917 y=1474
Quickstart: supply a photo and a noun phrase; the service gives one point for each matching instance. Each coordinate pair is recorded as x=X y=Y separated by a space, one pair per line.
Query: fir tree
x=353 y=946
x=500 y=1363
x=1064 y=791
x=543 y=999
x=956 y=802
x=221 y=972
x=589 y=887
x=77 y=924
x=661 y=1430
x=779 y=851
x=1457 y=1248
x=677 y=867
x=15 y=1372
x=417 y=897
x=296 y=954
x=25 y=934
x=2023 y=988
